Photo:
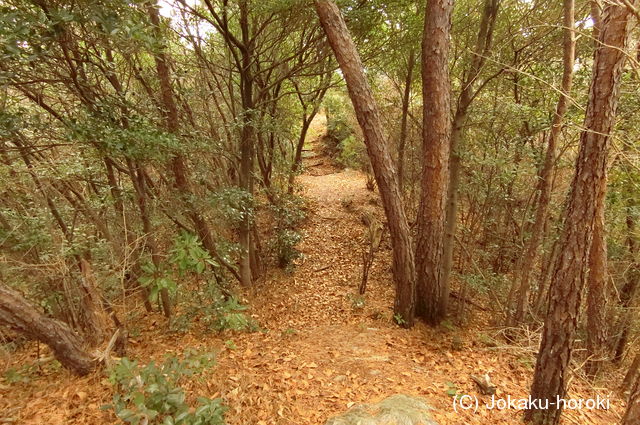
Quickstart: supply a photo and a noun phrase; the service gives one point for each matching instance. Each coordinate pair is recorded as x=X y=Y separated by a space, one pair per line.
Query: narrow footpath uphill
x=322 y=348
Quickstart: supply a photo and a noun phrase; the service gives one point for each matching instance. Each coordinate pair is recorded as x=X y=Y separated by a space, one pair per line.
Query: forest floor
x=322 y=348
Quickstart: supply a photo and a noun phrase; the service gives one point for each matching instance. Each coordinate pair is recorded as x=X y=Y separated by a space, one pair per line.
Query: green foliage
x=157 y=279
x=152 y=394
x=357 y=301
x=215 y=311
x=453 y=391
x=352 y=153
x=233 y=205
x=288 y=212
x=399 y=319
x=20 y=375
x=341 y=138
x=483 y=283
x=289 y=332
x=487 y=340
x=140 y=139
x=338 y=127
x=285 y=246
x=228 y=316
x=188 y=255
x=28 y=372
x=448 y=325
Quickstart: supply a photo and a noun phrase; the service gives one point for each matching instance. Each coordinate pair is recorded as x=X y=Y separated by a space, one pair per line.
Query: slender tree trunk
x=597 y=280
x=565 y=294
x=178 y=164
x=632 y=416
x=432 y=293
x=523 y=276
x=247 y=146
x=626 y=297
x=628 y=290
x=406 y=99
x=171 y=121
x=632 y=374
x=92 y=305
x=137 y=179
x=544 y=278
x=381 y=161
x=18 y=314
x=297 y=159
x=596 y=294
x=467 y=94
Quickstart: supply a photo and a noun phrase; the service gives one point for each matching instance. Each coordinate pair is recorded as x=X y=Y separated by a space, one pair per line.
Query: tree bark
x=381 y=161
x=432 y=293
x=406 y=99
x=596 y=294
x=522 y=282
x=632 y=374
x=596 y=301
x=632 y=416
x=18 y=314
x=567 y=282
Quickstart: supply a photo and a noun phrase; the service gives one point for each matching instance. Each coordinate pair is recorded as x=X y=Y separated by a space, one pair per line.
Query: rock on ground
x=395 y=410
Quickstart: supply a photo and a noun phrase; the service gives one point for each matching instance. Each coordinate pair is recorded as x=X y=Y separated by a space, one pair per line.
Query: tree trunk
x=297 y=159
x=467 y=94
x=432 y=293
x=247 y=144
x=628 y=290
x=406 y=99
x=632 y=416
x=178 y=163
x=523 y=277
x=381 y=161
x=596 y=294
x=566 y=287
x=95 y=316
x=18 y=314
x=632 y=374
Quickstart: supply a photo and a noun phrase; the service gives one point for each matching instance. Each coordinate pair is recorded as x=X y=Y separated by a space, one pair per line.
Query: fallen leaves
x=320 y=356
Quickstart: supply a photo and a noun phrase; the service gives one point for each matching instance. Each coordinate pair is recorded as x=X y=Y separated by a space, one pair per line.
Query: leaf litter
x=320 y=352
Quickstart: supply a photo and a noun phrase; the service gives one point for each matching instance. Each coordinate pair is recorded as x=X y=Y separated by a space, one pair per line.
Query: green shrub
x=288 y=212
x=285 y=245
x=152 y=394
x=351 y=153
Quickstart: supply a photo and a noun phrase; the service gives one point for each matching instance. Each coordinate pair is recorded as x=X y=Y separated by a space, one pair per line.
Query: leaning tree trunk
x=432 y=293
x=465 y=99
x=18 y=314
x=381 y=161
x=522 y=282
x=632 y=416
x=565 y=293
x=182 y=180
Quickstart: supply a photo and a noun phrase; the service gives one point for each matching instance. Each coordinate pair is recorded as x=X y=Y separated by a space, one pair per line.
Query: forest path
x=327 y=348
x=322 y=348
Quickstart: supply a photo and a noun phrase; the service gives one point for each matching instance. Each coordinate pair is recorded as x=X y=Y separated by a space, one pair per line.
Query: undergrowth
x=153 y=394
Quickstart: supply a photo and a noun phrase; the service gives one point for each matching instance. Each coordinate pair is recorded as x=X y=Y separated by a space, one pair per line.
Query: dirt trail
x=320 y=350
